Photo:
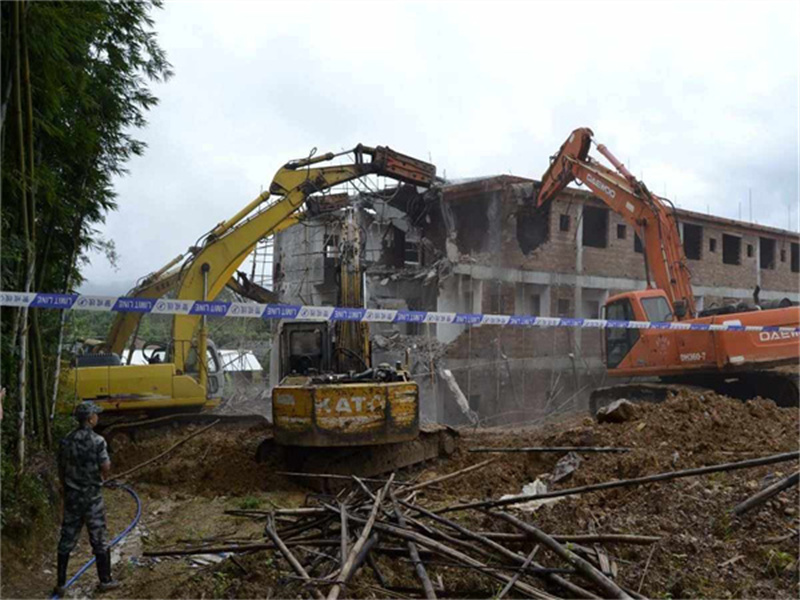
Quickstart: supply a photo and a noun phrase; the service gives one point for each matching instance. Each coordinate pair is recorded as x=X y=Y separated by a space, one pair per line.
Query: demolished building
x=477 y=246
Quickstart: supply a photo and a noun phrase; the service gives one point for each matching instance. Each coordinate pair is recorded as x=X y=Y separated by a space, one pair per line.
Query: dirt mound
x=687 y=430
x=704 y=551
x=218 y=461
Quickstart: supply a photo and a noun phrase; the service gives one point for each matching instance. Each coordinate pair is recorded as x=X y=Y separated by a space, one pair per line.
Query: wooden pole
x=519 y=573
x=767 y=493
x=544 y=449
x=576 y=591
x=287 y=554
x=424 y=484
x=582 y=566
x=602 y=538
x=745 y=464
x=343 y=517
x=350 y=564
x=530 y=591
x=422 y=574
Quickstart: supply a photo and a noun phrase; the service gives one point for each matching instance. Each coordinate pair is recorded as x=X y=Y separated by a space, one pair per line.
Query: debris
x=430 y=482
x=461 y=399
x=566 y=467
x=270 y=530
x=731 y=561
x=208 y=559
x=767 y=493
x=545 y=449
x=583 y=566
x=745 y=464
x=534 y=488
x=646 y=566
x=618 y=411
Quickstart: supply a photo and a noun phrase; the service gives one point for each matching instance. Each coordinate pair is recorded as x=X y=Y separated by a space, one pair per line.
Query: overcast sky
x=699 y=99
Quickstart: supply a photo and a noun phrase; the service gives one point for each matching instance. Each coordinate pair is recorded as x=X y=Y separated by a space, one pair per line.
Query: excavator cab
x=305 y=348
x=618 y=341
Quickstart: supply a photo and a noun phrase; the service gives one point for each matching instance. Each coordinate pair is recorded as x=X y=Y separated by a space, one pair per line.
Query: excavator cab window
x=305 y=348
x=619 y=341
x=657 y=309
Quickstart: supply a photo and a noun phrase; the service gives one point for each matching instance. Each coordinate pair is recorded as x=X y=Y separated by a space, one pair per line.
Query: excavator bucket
x=403 y=168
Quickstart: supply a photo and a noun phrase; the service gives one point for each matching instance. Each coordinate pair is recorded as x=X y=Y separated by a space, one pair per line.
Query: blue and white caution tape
x=298 y=312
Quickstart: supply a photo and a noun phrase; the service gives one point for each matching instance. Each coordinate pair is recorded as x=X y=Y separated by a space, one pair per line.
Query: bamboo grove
x=75 y=80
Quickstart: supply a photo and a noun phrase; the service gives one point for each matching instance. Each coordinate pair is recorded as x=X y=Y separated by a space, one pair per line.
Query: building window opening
x=766 y=253
x=731 y=249
x=783 y=255
x=495 y=301
x=595 y=227
x=637 y=244
x=749 y=250
x=591 y=309
x=534 y=305
x=712 y=245
x=692 y=241
x=411 y=253
x=563 y=223
x=795 y=257
x=622 y=232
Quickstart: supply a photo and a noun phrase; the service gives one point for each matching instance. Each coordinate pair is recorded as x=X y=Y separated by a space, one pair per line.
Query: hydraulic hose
x=113 y=543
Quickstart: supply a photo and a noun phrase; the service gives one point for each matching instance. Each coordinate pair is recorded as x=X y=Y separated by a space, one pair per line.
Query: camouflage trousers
x=80 y=509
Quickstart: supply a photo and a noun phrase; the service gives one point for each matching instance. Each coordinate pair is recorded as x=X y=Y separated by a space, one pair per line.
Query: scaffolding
x=262 y=261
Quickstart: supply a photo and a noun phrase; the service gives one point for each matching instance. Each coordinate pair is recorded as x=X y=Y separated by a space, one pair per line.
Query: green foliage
x=250 y=503
x=26 y=498
x=65 y=136
x=221 y=583
x=778 y=562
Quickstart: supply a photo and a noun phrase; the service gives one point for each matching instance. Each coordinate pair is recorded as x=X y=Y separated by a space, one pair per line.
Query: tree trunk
x=67 y=281
x=33 y=371
x=23 y=339
x=40 y=379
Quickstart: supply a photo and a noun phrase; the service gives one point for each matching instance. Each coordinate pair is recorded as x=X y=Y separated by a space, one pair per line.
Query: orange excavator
x=739 y=363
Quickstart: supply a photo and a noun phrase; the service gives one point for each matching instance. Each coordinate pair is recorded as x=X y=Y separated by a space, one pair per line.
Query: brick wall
x=504 y=201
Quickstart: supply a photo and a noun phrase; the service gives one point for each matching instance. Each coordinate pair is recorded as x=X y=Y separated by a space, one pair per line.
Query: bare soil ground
x=703 y=551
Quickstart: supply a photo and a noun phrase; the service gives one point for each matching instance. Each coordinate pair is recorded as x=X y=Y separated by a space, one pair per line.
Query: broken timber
x=745 y=464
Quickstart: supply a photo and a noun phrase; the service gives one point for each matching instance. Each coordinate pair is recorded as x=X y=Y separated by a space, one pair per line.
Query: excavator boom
x=647 y=214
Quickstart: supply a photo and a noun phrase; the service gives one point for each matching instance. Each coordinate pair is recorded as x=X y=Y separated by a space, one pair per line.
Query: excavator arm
x=126 y=324
x=645 y=212
x=291 y=187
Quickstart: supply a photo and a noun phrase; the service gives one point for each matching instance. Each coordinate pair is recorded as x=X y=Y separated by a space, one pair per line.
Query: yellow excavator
x=383 y=399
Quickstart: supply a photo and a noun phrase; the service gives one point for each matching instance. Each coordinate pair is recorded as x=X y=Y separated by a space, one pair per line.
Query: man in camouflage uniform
x=83 y=464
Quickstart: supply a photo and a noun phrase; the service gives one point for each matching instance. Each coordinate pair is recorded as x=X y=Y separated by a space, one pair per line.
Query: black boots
x=63 y=561
x=104 y=572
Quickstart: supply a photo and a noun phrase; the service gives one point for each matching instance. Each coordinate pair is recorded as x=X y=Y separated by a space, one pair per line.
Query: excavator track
x=779 y=384
x=434 y=441
x=135 y=428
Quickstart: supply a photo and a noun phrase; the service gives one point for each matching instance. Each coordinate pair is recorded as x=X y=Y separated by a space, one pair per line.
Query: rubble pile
x=676 y=538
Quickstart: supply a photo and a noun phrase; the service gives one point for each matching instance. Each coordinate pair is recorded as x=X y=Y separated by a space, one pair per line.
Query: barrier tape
x=298 y=312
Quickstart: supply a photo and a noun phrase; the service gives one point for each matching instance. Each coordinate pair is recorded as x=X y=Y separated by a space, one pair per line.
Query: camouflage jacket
x=80 y=456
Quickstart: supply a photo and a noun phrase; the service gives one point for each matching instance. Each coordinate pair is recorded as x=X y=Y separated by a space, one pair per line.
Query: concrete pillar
x=758 y=260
